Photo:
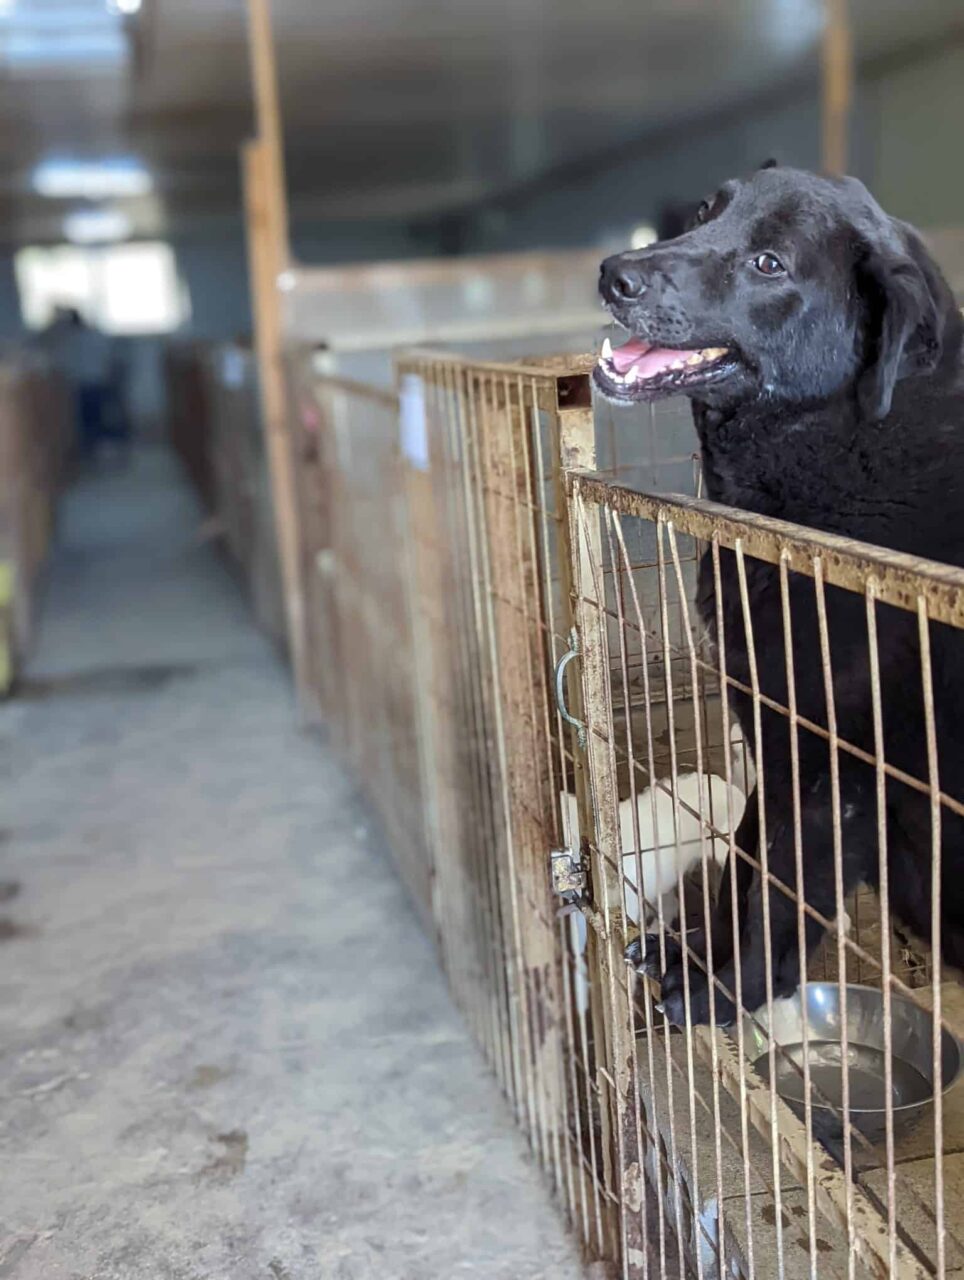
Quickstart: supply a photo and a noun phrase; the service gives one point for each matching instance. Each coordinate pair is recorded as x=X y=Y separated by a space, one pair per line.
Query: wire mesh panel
x=771 y=726
x=360 y=634
x=490 y=564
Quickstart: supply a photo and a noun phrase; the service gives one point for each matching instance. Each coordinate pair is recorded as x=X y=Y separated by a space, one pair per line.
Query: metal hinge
x=568 y=875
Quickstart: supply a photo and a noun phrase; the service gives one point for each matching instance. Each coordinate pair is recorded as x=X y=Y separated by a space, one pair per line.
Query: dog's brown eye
x=769 y=265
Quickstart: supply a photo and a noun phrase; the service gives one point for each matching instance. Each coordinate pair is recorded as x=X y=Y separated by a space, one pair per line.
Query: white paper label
x=412 y=427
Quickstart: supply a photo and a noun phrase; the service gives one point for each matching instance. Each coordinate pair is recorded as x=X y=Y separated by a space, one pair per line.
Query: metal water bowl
x=912 y=1071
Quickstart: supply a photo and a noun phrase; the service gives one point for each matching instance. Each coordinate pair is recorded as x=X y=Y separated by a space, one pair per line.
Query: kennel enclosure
x=465 y=546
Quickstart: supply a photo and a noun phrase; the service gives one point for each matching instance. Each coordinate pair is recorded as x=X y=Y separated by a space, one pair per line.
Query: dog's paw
x=644 y=955
x=673 y=1000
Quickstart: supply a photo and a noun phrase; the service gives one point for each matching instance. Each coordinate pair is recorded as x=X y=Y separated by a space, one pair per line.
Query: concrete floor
x=226 y=1051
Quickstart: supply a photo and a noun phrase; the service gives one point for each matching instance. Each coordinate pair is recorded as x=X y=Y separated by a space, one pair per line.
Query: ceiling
x=397 y=109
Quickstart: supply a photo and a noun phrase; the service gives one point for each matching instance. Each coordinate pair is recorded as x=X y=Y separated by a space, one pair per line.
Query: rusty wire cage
x=814 y=1175
x=355 y=574
x=468 y=560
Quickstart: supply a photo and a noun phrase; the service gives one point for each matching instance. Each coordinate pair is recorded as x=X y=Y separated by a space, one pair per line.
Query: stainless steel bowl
x=912 y=1076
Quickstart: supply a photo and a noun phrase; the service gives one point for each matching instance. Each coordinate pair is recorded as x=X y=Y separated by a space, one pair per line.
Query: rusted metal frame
x=458 y=949
x=572 y=442
x=763 y=845
x=474 y=736
x=841 y=1202
x=701 y=771
x=607 y=1042
x=401 y=798
x=759 y=866
x=513 y=640
x=468 y=757
x=629 y=1147
x=902 y=579
x=650 y=1020
x=490 y=444
x=796 y=803
x=577 y=449
x=640 y=1140
x=881 y=1246
x=548 y=533
x=883 y=893
x=617 y=1017
x=933 y=775
x=536 y=588
x=741 y=1057
x=471 y=734
x=476 y=460
x=424 y=735
x=575 y=365
x=664 y=635
x=487 y=774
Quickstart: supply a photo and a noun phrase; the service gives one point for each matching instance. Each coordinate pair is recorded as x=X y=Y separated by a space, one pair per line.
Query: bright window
x=120 y=289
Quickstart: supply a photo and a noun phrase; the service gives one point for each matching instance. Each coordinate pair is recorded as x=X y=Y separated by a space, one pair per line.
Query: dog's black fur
x=841 y=407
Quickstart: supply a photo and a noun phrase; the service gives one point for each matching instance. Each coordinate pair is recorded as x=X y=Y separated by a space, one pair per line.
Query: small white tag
x=412 y=426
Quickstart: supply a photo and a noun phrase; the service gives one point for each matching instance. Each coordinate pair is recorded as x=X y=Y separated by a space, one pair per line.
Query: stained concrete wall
x=904 y=143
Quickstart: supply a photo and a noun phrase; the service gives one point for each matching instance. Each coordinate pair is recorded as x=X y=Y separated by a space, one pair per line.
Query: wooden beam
x=837 y=78
x=266 y=211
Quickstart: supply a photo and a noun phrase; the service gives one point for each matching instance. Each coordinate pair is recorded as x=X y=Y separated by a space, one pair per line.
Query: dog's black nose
x=620 y=281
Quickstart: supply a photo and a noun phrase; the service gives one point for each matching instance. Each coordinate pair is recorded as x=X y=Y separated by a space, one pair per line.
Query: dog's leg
x=783 y=957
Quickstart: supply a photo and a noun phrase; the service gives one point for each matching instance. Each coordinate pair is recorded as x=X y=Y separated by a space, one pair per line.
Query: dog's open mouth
x=639 y=370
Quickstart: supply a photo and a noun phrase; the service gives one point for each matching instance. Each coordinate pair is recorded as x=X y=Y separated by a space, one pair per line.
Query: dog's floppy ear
x=906 y=299
x=770 y=164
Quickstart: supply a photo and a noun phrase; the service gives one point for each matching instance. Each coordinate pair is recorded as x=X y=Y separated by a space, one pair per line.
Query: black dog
x=821 y=348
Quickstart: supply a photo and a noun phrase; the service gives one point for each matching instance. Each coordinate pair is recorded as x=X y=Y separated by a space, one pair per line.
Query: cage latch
x=571 y=653
x=568 y=876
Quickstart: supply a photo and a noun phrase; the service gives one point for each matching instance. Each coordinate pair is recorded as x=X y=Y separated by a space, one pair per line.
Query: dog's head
x=789 y=286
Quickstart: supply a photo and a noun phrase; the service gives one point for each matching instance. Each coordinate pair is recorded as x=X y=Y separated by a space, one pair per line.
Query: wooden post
x=837 y=77
x=267 y=221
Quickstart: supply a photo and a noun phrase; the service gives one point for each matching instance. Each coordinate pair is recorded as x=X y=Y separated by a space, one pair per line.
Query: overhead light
x=91 y=179
x=97 y=226
x=126 y=7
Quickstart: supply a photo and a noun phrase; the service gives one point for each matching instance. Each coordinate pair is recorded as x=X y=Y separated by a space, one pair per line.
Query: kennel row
x=35 y=441
x=214 y=423
x=501 y=600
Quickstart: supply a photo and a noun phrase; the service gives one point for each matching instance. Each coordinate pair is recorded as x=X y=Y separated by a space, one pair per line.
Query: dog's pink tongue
x=647 y=360
x=625 y=357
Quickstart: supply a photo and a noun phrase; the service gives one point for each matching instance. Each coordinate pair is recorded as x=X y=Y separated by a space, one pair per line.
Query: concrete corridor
x=226 y=1051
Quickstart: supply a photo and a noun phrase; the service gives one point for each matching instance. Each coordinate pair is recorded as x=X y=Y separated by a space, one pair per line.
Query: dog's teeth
x=607 y=349
x=714 y=353
x=696 y=358
x=631 y=374
x=677 y=364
